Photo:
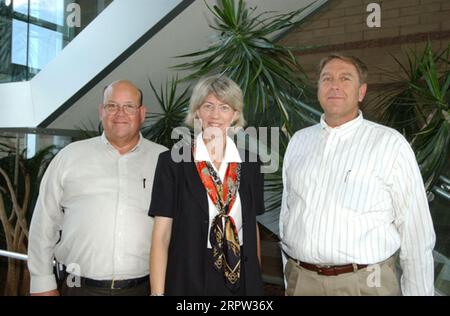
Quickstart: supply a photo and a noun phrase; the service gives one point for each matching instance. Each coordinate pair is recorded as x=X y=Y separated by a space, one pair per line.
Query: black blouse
x=178 y=193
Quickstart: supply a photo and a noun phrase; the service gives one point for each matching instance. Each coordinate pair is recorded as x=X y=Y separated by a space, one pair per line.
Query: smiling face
x=215 y=114
x=121 y=128
x=340 y=92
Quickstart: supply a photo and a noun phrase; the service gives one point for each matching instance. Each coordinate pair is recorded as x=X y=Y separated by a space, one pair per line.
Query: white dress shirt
x=354 y=194
x=99 y=200
x=231 y=154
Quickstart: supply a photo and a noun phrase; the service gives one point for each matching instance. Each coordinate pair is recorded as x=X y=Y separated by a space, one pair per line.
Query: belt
x=328 y=270
x=332 y=270
x=113 y=284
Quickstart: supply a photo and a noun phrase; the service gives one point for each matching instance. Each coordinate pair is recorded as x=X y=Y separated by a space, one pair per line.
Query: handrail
x=444 y=179
x=441 y=192
x=443 y=189
x=13 y=255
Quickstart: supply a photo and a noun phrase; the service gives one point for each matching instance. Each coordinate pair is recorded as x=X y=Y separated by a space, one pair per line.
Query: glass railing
x=33 y=32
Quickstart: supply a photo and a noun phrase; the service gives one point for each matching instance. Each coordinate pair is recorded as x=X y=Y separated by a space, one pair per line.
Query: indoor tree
x=276 y=90
x=417 y=105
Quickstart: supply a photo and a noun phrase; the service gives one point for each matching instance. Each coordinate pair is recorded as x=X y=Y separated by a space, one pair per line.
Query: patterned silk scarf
x=224 y=238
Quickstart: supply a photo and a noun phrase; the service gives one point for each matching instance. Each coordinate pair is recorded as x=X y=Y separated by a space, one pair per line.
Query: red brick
x=431 y=1
x=329 y=31
x=406 y=48
x=334 y=13
x=313 y=41
x=357 y=27
x=355 y=19
x=350 y=3
x=373 y=78
x=314 y=24
x=421 y=28
x=301 y=35
x=420 y=47
x=445 y=25
x=427 y=18
x=405 y=20
x=389 y=14
x=357 y=10
x=392 y=4
x=367 y=2
x=346 y=38
x=381 y=33
x=418 y=10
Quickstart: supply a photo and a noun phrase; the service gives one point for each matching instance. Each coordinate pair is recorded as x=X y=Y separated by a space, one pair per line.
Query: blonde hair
x=224 y=89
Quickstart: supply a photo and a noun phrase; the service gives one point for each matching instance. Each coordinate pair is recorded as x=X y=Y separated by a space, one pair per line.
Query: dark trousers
x=139 y=290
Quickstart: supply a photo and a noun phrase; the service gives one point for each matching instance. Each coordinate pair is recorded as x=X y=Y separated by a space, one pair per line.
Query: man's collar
x=344 y=129
x=107 y=143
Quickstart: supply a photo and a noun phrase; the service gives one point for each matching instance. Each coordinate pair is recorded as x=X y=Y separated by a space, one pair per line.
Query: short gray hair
x=224 y=89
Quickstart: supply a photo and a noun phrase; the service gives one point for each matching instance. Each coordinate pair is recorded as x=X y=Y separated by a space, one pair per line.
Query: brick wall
x=340 y=26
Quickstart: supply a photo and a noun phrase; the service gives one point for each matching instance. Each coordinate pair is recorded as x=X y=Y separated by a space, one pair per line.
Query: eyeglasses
x=223 y=108
x=113 y=108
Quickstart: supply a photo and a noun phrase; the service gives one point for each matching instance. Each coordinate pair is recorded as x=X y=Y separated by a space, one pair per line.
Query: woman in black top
x=205 y=236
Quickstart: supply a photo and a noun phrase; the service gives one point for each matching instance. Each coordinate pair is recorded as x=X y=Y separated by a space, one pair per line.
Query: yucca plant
x=268 y=74
x=418 y=106
x=173 y=107
x=277 y=92
x=89 y=130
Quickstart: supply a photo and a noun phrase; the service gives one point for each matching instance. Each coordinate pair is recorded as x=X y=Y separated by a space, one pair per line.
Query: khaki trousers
x=375 y=280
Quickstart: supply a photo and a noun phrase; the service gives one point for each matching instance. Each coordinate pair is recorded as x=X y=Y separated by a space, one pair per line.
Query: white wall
x=16 y=108
x=187 y=33
x=103 y=40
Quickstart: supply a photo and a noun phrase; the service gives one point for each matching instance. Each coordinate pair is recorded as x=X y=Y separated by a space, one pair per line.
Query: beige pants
x=378 y=279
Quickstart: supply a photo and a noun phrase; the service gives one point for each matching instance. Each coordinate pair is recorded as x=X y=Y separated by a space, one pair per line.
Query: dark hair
x=359 y=65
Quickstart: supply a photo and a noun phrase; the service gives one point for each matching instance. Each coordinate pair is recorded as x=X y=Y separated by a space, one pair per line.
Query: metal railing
x=444 y=188
x=13 y=255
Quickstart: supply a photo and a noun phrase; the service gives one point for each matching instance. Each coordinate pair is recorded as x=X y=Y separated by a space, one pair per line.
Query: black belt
x=61 y=273
x=113 y=284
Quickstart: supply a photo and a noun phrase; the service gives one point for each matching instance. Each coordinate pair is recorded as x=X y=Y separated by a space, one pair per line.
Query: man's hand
x=48 y=293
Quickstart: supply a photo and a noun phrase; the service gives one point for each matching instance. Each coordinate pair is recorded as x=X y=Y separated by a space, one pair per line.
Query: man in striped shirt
x=353 y=199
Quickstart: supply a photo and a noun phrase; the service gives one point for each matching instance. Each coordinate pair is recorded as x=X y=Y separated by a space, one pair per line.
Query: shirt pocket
x=139 y=193
x=358 y=190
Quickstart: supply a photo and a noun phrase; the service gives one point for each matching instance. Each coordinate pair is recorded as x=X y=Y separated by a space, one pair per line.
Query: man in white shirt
x=353 y=197
x=91 y=213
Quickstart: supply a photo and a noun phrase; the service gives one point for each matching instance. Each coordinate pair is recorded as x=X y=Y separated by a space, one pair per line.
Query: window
x=33 y=32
